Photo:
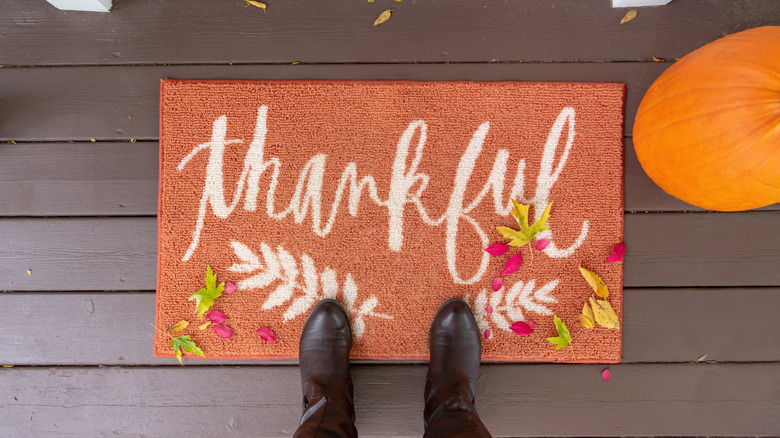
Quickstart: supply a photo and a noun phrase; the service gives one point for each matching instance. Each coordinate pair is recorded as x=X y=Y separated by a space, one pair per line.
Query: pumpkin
x=708 y=129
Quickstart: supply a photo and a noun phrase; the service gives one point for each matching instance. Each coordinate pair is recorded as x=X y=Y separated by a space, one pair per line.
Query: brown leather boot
x=323 y=353
x=452 y=374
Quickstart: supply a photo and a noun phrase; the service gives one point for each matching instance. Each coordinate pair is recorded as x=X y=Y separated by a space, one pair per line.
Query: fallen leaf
x=605 y=316
x=179 y=327
x=532 y=324
x=564 y=338
x=497 y=283
x=230 y=288
x=29 y=272
x=521 y=328
x=371 y=1
x=384 y=16
x=260 y=5
x=223 y=331
x=630 y=15
x=204 y=298
x=266 y=334
x=618 y=251
x=586 y=317
x=132 y=140
x=605 y=375
x=595 y=282
x=489 y=309
x=216 y=316
x=180 y=343
x=657 y=59
x=497 y=249
x=297 y=63
x=8 y=366
x=204 y=326
x=92 y=140
x=526 y=232
x=702 y=358
x=542 y=244
x=513 y=264
x=487 y=333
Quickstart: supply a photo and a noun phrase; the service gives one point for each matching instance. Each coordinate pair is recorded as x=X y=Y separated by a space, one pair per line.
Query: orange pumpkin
x=708 y=129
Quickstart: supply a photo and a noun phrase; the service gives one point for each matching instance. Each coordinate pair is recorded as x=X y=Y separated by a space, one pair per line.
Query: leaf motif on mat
x=300 y=285
x=512 y=306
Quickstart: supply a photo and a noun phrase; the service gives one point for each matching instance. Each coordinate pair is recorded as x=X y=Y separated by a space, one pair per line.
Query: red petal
x=487 y=333
x=497 y=284
x=521 y=328
x=230 y=288
x=513 y=264
x=216 y=316
x=532 y=323
x=489 y=309
x=497 y=249
x=617 y=253
x=542 y=244
x=605 y=375
x=266 y=334
x=223 y=331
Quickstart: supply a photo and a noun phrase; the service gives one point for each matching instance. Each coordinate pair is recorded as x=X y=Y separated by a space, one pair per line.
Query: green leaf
x=204 y=298
x=180 y=343
x=564 y=338
x=526 y=232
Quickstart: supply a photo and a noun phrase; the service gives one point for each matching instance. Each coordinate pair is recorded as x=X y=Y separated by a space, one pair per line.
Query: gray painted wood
x=664 y=250
x=659 y=325
x=513 y=400
x=122 y=103
x=205 y=31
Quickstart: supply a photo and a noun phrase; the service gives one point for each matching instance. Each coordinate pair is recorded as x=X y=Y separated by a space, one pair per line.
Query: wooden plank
x=111 y=179
x=664 y=250
x=204 y=31
x=122 y=103
x=513 y=400
x=659 y=325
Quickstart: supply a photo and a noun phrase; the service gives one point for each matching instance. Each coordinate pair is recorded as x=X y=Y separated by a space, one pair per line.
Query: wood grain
x=659 y=325
x=122 y=103
x=341 y=31
x=514 y=400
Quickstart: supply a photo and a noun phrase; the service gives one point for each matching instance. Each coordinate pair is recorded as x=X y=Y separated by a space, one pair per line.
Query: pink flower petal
x=230 y=288
x=487 y=333
x=542 y=244
x=605 y=375
x=513 y=264
x=489 y=309
x=497 y=249
x=532 y=323
x=521 y=328
x=216 y=316
x=223 y=331
x=497 y=283
x=617 y=253
x=266 y=334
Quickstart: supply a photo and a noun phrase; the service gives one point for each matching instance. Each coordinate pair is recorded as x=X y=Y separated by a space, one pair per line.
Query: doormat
x=385 y=196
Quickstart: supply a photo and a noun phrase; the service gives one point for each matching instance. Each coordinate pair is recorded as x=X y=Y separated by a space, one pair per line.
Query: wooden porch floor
x=78 y=227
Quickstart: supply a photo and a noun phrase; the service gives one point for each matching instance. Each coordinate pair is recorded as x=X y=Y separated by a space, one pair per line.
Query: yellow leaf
x=29 y=272
x=260 y=5
x=204 y=326
x=657 y=59
x=595 y=282
x=605 y=316
x=587 y=318
x=297 y=63
x=179 y=327
x=384 y=16
x=630 y=15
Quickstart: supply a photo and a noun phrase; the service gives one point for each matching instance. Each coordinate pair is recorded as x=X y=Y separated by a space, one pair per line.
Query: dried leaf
x=179 y=327
x=630 y=15
x=216 y=316
x=266 y=334
x=657 y=59
x=702 y=358
x=223 y=331
x=586 y=317
x=230 y=288
x=204 y=326
x=542 y=244
x=487 y=333
x=513 y=264
x=532 y=324
x=564 y=338
x=497 y=249
x=204 y=298
x=260 y=5
x=497 y=283
x=605 y=316
x=29 y=272
x=618 y=251
x=297 y=63
x=521 y=328
x=489 y=309
x=606 y=375
x=595 y=282
x=384 y=16
x=180 y=343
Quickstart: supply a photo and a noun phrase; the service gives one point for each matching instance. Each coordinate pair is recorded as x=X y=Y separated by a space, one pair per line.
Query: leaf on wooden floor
x=606 y=375
x=658 y=59
x=618 y=251
x=564 y=337
x=184 y=343
x=605 y=316
x=29 y=272
x=260 y=5
x=630 y=15
x=702 y=358
x=266 y=334
x=595 y=282
x=384 y=16
x=223 y=331
x=586 y=317
x=521 y=328
x=204 y=298
x=179 y=327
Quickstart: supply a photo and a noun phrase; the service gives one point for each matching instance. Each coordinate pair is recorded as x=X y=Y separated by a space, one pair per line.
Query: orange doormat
x=384 y=195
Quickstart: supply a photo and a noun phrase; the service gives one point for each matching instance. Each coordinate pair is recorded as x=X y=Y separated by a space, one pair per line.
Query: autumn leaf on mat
x=586 y=317
x=216 y=316
x=223 y=331
x=513 y=264
x=605 y=316
x=497 y=249
x=595 y=282
x=180 y=343
x=564 y=338
x=266 y=334
x=204 y=298
x=526 y=232
x=521 y=328
x=618 y=251
x=179 y=327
